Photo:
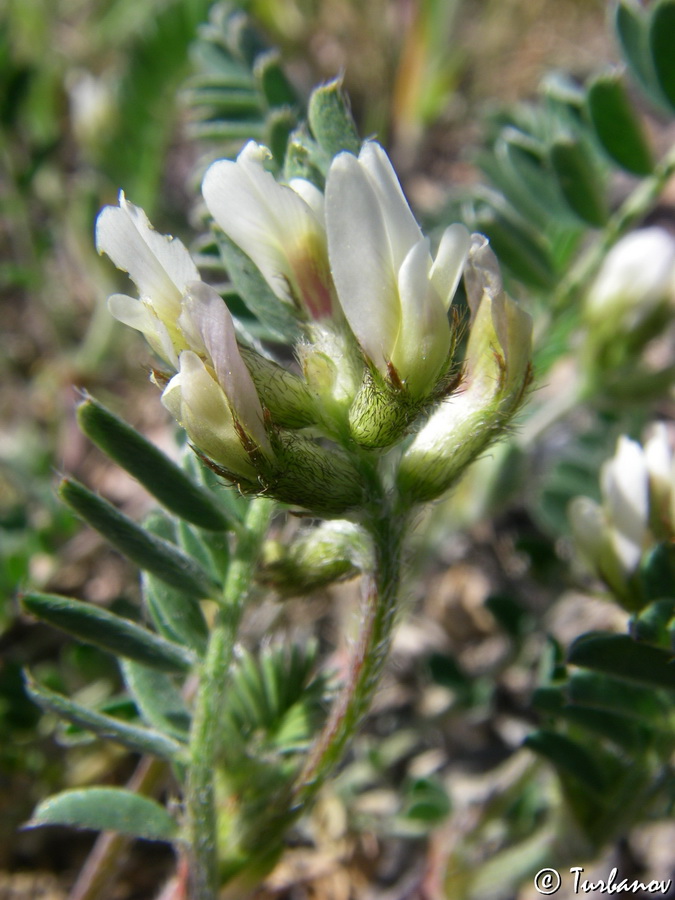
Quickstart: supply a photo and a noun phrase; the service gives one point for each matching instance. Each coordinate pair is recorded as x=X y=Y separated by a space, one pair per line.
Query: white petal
x=449 y=263
x=131 y=312
x=659 y=454
x=424 y=338
x=311 y=195
x=159 y=265
x=402 y=228
x=141 y=316
x=481 y=273
x=360 y=258
x=625 y=489
x=213 y=321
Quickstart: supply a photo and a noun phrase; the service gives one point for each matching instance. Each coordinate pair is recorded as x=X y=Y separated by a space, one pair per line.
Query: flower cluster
x=637 y=511
x=374 y=304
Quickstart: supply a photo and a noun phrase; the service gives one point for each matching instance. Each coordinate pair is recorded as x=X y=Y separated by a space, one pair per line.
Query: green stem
x=213 y=682
x=381 y=592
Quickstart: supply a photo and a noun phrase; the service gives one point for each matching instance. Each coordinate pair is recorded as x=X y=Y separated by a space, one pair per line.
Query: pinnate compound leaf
x=661 y=44
x=111 y=633
x=145 y=550
x=331 y=121
x=107 y=809
x=153 y=469
x=624 y=658
x=616 y=124
x=133 y=737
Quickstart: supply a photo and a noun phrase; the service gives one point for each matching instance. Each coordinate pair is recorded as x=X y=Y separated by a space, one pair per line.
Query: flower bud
x=497 y=372
x=316 y=558
x=333 y=369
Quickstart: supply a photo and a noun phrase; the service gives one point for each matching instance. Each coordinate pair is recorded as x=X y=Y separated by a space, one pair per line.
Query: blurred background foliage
x=101 y=94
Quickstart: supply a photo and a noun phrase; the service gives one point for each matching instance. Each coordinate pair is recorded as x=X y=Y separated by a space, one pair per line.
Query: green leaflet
x=579 y=180
x=153 y=469
x=616 y=124
x=619 y=655
x=133 y=737
x=174 y=615
x=661 y=44
x=272 y=81
x=628 y=735
x=632 y=31
x=110 y=632
x=107 y=809
x=146 y=551
x=158 y=699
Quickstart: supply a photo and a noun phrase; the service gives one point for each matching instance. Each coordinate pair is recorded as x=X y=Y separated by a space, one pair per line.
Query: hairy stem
x=381 y=592
x=213 y=682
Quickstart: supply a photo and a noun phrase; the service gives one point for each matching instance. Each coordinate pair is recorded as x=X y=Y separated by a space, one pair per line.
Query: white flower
x=394 y=295
x=279 y=227
x=637 y=274
x=158 y=264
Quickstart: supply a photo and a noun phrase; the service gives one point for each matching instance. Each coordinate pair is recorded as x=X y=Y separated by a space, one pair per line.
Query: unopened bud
x=316 y=558
x=497 y=373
